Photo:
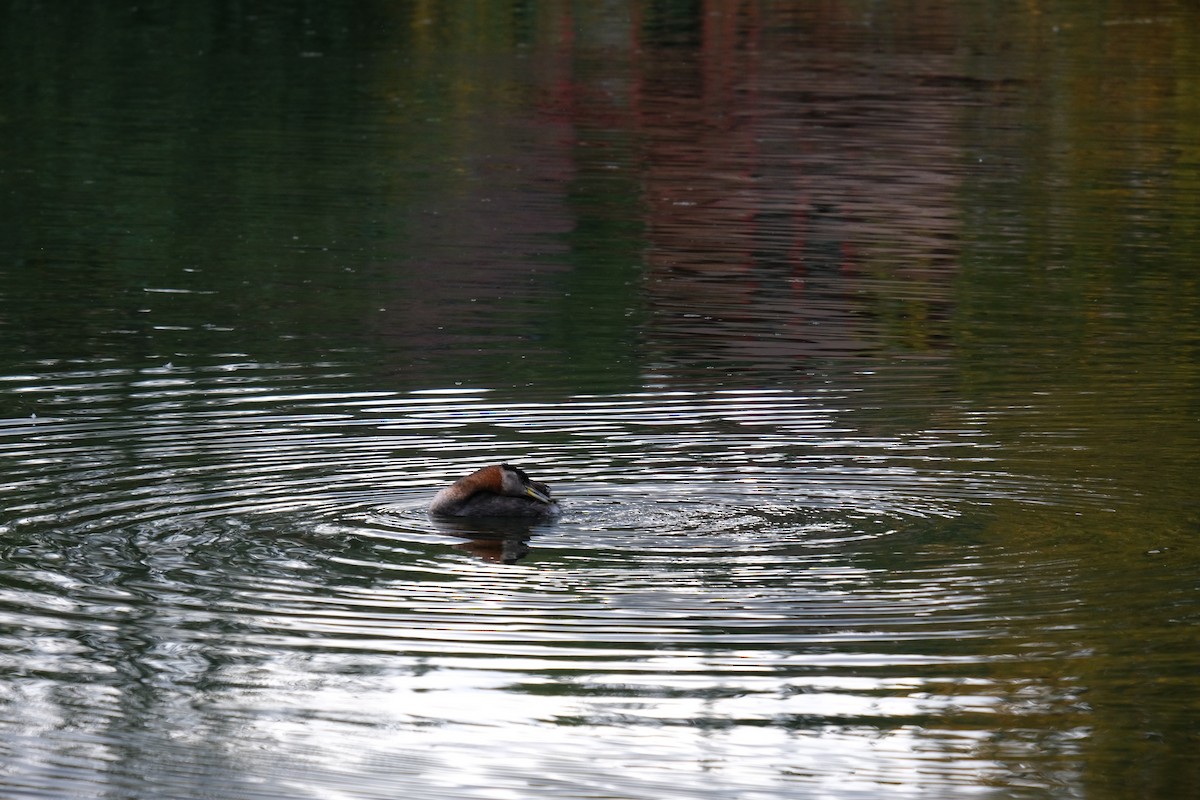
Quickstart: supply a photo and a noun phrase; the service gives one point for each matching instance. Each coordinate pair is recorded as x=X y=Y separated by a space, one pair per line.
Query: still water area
x=859 y=341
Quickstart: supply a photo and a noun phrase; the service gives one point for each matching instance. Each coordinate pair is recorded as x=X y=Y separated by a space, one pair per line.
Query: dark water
x=861 y=343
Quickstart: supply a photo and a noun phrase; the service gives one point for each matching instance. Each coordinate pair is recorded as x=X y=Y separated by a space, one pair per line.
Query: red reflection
x=793 y=168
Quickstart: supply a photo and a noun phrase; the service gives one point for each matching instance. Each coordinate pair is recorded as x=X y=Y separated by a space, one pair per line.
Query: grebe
x=500 y=490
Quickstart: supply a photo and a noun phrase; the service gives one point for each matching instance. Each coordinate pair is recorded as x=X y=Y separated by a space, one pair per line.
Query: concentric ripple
x=735 y=572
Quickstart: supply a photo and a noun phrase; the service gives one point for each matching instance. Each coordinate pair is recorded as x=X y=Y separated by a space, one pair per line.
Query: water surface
x=859 y=344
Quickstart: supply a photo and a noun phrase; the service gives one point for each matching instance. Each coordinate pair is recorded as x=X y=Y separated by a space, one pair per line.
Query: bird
x=500 y=490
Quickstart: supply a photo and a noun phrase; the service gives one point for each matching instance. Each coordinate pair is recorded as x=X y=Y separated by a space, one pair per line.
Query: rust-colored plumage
x=500 y=490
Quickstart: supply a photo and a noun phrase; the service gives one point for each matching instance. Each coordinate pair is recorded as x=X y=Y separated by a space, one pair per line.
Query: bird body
x=500 y=490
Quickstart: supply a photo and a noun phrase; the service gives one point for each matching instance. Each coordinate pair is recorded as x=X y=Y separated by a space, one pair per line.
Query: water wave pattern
x=238 y=441
x=742 y=584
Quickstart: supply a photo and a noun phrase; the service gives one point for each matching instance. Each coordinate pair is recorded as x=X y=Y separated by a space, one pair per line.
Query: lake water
x=860 y=342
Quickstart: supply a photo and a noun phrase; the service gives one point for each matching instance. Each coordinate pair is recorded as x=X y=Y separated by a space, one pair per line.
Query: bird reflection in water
x=494 y=539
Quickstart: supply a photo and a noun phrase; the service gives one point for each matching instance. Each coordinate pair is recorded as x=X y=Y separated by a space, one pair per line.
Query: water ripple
x=727 y=562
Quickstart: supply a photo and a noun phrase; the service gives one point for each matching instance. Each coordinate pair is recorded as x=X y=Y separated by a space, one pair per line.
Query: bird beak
x=538 y=495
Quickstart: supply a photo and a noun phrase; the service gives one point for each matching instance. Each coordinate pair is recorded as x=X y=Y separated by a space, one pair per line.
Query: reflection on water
x=504 y=540
x=741 y=581
x=859 y=344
